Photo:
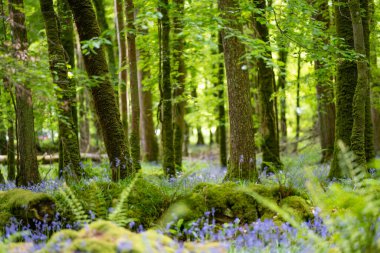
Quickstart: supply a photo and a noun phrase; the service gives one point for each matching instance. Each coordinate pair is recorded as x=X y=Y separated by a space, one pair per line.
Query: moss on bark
x=69 y=145
x=345 y=88
x=103 y=94
x=268 y=118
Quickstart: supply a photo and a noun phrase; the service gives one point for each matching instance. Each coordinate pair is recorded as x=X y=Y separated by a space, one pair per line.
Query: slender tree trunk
x=3 y=137
x=281 y=83
x=298 y=104
x=150 y=144
x=11 y=152
x=166 y=94
x=268 y=117
x=345 y=89
x=66 y=94
x=179 y=82
x=325 y=92
x=358 y=137
x=200 y=139
x=242 y=164
x=104 y=27
x=103 y=94
x=221 y=132
x=134 y=86
x=120 y=27
x=28 y=167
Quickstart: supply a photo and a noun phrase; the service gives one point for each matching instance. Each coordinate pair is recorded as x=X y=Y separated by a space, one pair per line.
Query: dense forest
x=189 y=126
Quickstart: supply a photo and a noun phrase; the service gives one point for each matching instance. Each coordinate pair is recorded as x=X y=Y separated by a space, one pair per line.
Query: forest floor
x=294 y=210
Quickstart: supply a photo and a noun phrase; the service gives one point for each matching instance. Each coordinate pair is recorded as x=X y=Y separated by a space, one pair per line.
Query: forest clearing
x=189 y=126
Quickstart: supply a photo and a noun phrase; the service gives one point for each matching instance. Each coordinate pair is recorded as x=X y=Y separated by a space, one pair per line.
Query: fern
x=75 y=205
x=119 y=214
x=97 y=203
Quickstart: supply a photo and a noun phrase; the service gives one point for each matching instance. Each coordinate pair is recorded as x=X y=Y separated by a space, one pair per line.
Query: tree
x=268 y=114
x=358 y=137
x=134 y=86
x=345 y=88
x=122 y=46
x=179 y=81
x=325 y=92
x=27 y=171
x=281 y=84
x=104 y=27
x=166 y=92
x=242 y=163
x=221 y=110
x=65 y=94
x=103 y=94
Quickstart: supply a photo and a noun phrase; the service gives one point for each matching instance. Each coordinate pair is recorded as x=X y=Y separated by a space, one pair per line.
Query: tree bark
x=298 y=105
x=358 y=137
x=345 y=89
x=166 y=96
x=120 y=27
x=242 y=164
x=325 y=92
x=281 y=84
x=221 y=132
x=134 y=138
x=11 y=152
x=65 y=94
x=104 y=27
x=179 y=79
x=268 y=117
x=103 y=94
x=28 y=167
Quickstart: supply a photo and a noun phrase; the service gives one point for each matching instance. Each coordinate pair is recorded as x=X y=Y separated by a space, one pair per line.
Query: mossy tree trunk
x=123 y=74
x=374 y=76
x=345 y=88
x=325 y=92
x=242 y=162
x=134 y=86
x=166 y=93
x=65 y=94
x=104 y=28
x=103 y=93
x=221 y=135
x=27 y=172
x=179 y=79
x=268 y=117
x=358 y=137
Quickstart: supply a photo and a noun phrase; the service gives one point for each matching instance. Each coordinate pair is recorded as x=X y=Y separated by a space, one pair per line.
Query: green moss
x=26 y=205
x=297 y=207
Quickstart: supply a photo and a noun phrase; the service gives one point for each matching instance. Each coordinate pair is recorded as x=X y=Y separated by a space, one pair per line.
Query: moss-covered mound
x=145 y=202
x=229 y=201
x=106 y=237
x=25 y=205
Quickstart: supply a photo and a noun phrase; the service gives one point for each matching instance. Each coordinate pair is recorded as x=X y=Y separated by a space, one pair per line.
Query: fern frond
x=75 y=205
x=119 y=214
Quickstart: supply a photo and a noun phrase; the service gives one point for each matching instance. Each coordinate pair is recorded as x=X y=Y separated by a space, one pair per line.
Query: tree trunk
x=358 y=137
x=65 y=94
x=221 y=131
x=166 y=95
x=298 y=105
x=150 y=144
x=345 y=89
x=134 y=86
x=325 y=92
x=120 y=27
x=200 y=139
x=28 y=167
x=281 y=84
x=179 y=82
x=11 y=152
x=103 y=94
x=104 y=27
x=242 y=164
x=268 y=117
